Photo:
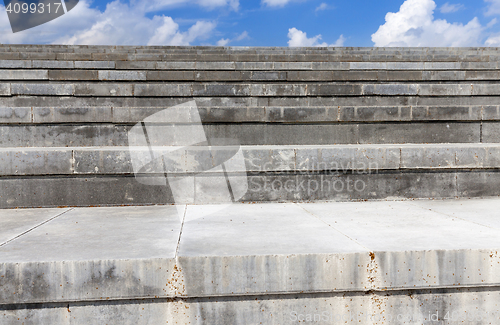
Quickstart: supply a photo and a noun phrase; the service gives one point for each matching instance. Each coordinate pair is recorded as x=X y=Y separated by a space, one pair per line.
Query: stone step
x=262 y=109
x=256 y=263
x=258 y=159
x=108 y=134
x=205 y=75
x=119 y=190
x=308 y=70
x=276 y=89
x=254 y=54
x=268 y=114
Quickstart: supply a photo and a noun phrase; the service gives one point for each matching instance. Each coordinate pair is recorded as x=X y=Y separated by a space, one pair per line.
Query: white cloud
x=242 y=36
x=414 y=25
x=223 y=42
x=226 y=41
x=322 y=6
x=119 y=24
x=493 y=7
x=447 y=7
x=275 y=3
x=155 y=5
x=298 y=38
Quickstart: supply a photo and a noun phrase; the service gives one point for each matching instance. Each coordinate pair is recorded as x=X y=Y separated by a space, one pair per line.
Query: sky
x=269 y=23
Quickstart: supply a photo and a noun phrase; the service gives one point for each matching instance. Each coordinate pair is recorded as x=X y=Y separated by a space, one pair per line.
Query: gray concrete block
x=345 y=187
x=104 y=89
x=442 y=65
x=103 y=266
x=334 y=90
x=330 y=65
x=375 y=113
x=103 y=161
x=478 y=65
x=122 y=75
x=217 y=75
x=478 y=184
x=15 y=114
x=35 y=162
x=482 y=75
x=452 y=113
x=400 y=75
x=444 y=75
x=226 y=90
x=63 y=135
x=176 y=65
x=37 y=55
x=293 y=65
x=5 y=89
x=23 y=74
x=42 y=89
x=429 y=157
x=298 y=114
x=420 y=133
x=9 y=55
x=267 y=75
x=12 y=64
x=73 y=56
x=490 y=112
x=368 y=65
x=276 y=89
x=485 y=90
x=131 y=65
x=491 y=132
x=390 y=90
x=354 y=75
x=72 y=114
x=109 y=56
x=44 y=64
x=200 y=65
x=445 y=90
x=72 y=75
x=53 y=191
x=170 y=75
x=310 y=76
x=94 y=64
x=151 y=90
x=284 y=134
x=405 y=65
x=254 y=65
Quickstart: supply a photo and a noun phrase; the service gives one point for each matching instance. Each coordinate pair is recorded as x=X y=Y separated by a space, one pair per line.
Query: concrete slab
x=99 y=233
x=91 y=254
x=266 y=248
x=483 y=212
x=259 y=229
x=14 y=223
x=398 y=226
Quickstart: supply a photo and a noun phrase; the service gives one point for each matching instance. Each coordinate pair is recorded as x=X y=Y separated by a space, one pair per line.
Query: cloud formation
x=298 y=38
x=448 y=8
x=275 y=3
x=493 y=7
x=118 y=24
x=321 y=7
x=414 y=25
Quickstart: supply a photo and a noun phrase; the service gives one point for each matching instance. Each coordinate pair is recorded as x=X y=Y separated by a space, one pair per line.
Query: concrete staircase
x=314 y=124
x=402 y=123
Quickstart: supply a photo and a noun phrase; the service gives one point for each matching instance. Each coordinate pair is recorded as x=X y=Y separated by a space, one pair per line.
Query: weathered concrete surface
x=91 y=254
x=269 y=263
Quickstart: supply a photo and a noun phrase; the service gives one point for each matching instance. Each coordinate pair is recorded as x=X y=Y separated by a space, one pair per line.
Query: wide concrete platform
x=378 y=262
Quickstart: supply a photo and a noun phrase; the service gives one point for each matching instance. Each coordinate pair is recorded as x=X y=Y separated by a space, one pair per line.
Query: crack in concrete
x=33 y=228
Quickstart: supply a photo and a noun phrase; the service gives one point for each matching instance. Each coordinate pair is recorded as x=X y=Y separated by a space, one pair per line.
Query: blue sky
x=270 y=23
